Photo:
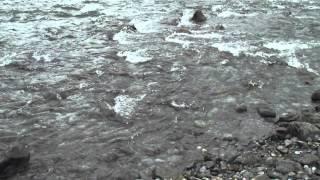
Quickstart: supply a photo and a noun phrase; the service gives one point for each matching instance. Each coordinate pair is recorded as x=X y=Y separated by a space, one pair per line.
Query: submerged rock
x=198 y=17
x=306 y=159
x=14 y=161
x=289 y=117
x=286 y=166
x=315 y=97
x=266 y=112
x=303 y=130
x=241 y=108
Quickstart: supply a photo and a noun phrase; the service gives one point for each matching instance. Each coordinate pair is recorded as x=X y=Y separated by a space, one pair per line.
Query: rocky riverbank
x=291 y=152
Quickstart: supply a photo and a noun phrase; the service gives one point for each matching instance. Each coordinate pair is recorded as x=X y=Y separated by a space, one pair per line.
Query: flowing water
x=93 y=98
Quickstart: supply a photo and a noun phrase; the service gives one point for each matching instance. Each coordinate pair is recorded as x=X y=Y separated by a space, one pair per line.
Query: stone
x=306 y=159
x=261 y=177
x=282 y=149
x=274 y=175
x=286 y=166
x=248 y=158
x=289 y=117
x=317 y=108
x=310 y=117
x=241 y=108
x=304 y=130
x=315 y=97
x=220 y=27
x=198 y=17
x=266 y=112
x=200 y=124
x=15 y=160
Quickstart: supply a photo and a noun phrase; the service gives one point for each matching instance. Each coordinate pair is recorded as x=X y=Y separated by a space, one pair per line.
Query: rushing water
x=93 y=98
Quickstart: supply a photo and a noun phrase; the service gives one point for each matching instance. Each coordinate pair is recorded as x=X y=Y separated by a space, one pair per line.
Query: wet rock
x=274 y=175
x=248 y=158
x=130 y=28
x=241 y=108
x=310 y=117
x=304 y=130
x=289 y=117
x=283 y=149
x=261 y=177
x=198 y=17
x=266 y=112
x=183 y=30
x=14 y=161
x=315 y=97
x=220 y=27
x=200 y=124
x=123 y=174
x=306 y=159
x=286 y=166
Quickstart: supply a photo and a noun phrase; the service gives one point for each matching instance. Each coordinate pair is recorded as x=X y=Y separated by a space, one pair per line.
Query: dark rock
x=274 y=175
x=241 y=108
x=261 y=177
x=14 y=161
x=315 y=97
x=310 y=117
x=306 y=159
x=266 y=112
x=183 y=30
x=198 y=17
x=286 y=166
x=304 y=130
x=248 y=158
x=282 y=149
x=317 y=108
x=220 y=27
x=289 y=117
x=130 y=28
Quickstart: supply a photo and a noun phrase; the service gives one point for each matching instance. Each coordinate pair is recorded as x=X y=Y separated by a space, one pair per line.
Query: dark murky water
x=94 y=99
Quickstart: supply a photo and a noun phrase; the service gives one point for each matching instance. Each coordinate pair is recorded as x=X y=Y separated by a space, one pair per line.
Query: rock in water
x=304 y=130
x=266 y=112
x=241 y=108
x=198 y=17
x=286 y=166
x=14 y=161
x=316 y=96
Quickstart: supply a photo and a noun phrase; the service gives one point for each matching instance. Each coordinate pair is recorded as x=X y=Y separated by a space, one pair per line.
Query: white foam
x=175 y=39
x=234 y=48
x=185 y=19
x=227 y=14
x=135 y=57
x=91 y=7
x=216 y=8
x=122 y=37
x=42 y=57
x=146 y=26
x=125 y=105
x=7 y=59
x=288 y=49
